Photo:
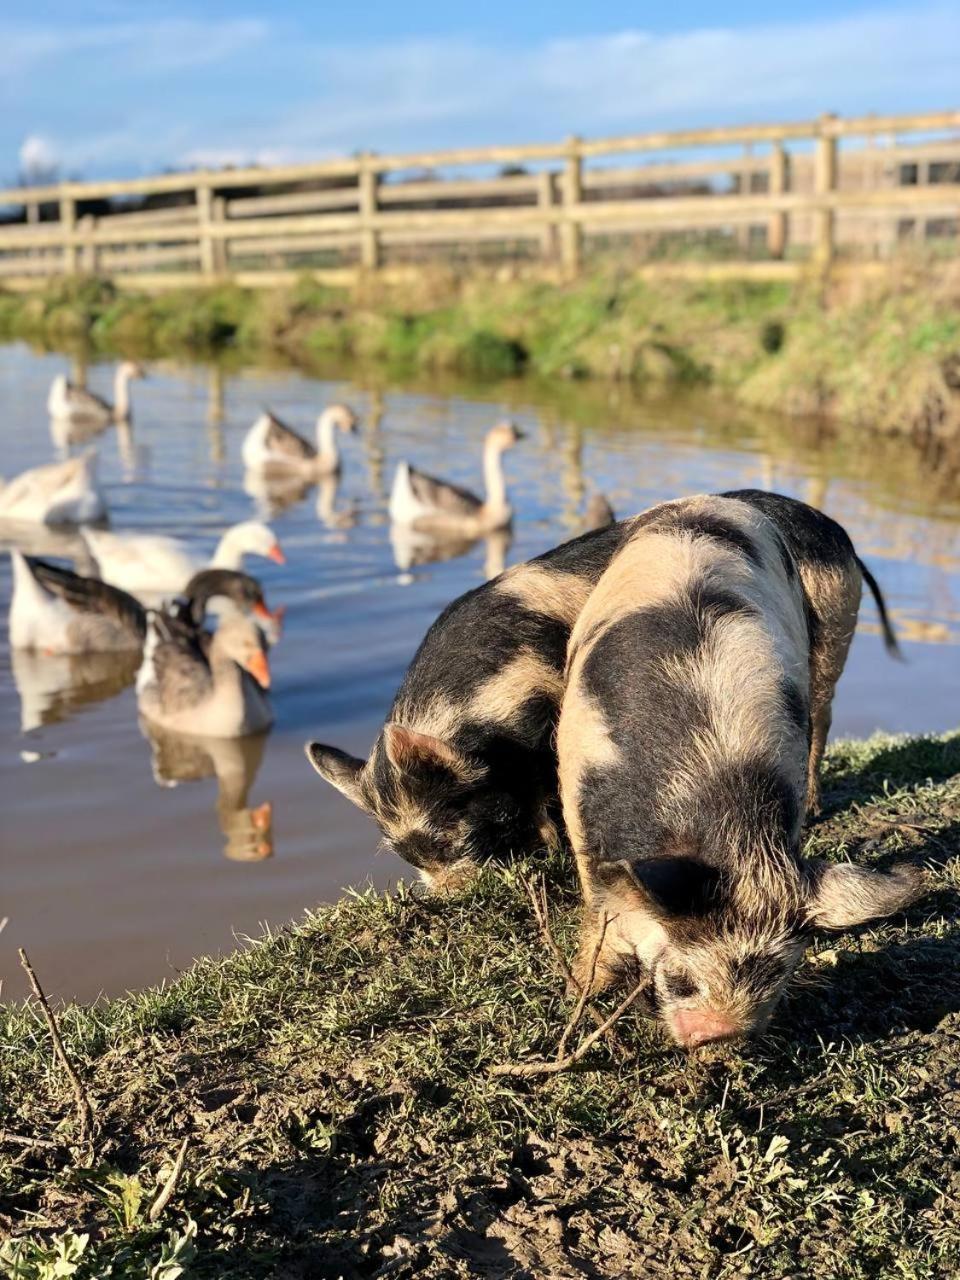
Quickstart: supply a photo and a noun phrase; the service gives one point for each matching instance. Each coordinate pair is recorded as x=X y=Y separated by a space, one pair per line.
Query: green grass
x=884 y=354
x=332 y=1081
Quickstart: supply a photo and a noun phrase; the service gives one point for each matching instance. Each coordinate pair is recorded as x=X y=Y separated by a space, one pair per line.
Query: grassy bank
x=332 y=1082
x=883 y=353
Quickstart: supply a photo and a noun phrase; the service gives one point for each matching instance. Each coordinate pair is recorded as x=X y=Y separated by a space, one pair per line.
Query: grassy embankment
x=332 y=1080
x=881 y=353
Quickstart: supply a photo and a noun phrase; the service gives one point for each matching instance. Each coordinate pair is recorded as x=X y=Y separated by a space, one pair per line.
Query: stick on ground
x=84 y=1110
x=170 y=1186
x=21 y=1140
x=585 y=990
x=535 y=1068
x=538 y=900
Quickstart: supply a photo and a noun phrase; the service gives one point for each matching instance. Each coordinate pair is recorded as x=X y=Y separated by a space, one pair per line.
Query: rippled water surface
x=123 y=858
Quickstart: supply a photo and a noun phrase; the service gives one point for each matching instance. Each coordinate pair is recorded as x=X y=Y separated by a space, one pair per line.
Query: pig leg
x=834 y=596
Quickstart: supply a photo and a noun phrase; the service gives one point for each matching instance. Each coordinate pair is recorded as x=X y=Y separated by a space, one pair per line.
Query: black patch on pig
x=811 y=537
x=708 y=525
x=677 y=986
x=679 y=885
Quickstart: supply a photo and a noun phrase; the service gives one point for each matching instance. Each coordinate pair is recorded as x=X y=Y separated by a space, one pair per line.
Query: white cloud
x=38 y=157
x=192 y=91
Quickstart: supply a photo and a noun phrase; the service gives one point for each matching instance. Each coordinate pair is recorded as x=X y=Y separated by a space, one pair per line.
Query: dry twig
x=585 y=990
x=84 y=1110
x=21 y=1140
x=553 y=1068
x=170 y=1186
x=538 y=900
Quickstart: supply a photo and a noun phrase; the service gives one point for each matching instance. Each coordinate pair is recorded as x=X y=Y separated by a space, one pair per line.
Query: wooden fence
x=765 y=198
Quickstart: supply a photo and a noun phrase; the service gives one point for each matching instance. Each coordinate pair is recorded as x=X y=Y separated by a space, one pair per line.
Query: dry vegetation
x=333 y=1086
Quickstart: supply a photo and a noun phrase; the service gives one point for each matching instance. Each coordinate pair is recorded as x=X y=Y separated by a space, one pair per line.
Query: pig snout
x=694 y=1027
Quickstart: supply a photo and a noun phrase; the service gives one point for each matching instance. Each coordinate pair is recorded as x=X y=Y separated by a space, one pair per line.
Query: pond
x=124 y=856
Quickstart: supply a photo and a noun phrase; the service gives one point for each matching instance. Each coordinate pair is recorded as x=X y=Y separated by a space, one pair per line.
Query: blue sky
x=113 y=87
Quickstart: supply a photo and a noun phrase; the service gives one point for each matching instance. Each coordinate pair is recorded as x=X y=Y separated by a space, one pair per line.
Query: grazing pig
x=683 y=747
x=465 y=767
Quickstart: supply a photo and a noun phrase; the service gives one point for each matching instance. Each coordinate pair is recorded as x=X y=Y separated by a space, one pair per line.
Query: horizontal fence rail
x=789 y=195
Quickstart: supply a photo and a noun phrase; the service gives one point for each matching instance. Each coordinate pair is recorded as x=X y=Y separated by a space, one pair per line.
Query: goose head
x=130 y=370
x=338 y=417
x=254 y=538
x=240 y=640
x=503 y=436
x=240 y=589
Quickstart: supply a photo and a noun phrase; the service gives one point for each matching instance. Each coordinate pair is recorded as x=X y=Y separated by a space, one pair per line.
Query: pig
x=684 y=742
x=465 y=767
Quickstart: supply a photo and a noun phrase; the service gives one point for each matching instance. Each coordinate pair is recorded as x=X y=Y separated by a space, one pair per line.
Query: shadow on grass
x=901 y=764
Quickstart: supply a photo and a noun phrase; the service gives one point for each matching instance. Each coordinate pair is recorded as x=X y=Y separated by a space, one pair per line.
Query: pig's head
x=720 y=953
x=435 y=805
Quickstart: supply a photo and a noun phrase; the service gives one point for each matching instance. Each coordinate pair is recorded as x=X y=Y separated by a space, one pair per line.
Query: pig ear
x=409 y=750
x=668 y=887
x=843 y=895
x=340 y=770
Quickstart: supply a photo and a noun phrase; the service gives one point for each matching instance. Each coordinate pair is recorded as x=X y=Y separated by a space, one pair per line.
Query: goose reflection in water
x=274 y=494
x=234 y=762
x=54 y=687
x=412 y=549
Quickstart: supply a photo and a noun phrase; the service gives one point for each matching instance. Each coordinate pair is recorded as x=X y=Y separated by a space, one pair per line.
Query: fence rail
x=790 y=194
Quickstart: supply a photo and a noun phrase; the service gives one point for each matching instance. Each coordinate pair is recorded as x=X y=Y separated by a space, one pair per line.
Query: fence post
x=68 y=225
x=205 y=216
x=218 y=213
x=777 y=185
x=571 y=238
x=88 y=250
x=548 y=245
x=367 y=179
x=824 y=184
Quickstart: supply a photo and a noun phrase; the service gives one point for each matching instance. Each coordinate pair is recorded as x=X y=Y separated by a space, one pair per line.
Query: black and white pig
x=465 y=767
x=684 y=744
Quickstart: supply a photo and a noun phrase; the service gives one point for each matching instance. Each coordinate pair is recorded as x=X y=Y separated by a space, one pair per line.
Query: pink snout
x=693 y=1027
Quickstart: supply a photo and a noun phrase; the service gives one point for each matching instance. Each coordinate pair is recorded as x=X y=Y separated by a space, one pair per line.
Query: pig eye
x=678 y=986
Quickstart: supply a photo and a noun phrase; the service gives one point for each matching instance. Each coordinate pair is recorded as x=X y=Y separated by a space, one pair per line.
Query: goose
x=56 y=611
x=56 y=493
x=212 y=688
x=156 y=565
x=445 y=510
x=598 y=514
x=77 y=405
x=272 y=446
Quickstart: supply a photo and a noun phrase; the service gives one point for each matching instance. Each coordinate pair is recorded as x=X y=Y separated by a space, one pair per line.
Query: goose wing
x=86 y=403
x=441 y=495
x=90 y=595
x=181 y=671
x=283 y=441
x=42 y=482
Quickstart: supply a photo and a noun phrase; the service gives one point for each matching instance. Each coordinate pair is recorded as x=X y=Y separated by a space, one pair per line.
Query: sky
x=113 y=88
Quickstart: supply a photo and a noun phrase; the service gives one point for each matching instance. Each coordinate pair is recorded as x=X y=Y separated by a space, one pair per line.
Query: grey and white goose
x=193 y=682
x=437 y=507
x=272 y=447
x=68 y=402
x=56 y=611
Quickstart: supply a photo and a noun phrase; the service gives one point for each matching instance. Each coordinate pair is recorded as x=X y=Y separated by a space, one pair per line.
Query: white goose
x=77 y=405
x=57 y=493
x=271 y=446
x=155 y=565
x=214 y=687
x=434 y=506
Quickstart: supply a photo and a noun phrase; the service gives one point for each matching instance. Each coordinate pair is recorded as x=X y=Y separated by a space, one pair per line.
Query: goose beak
x=259 y=668
x=261 y=612
x=276 y=554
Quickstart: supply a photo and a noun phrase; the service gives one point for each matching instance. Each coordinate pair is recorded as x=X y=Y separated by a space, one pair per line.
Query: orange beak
x=276 y=554
x=259 y=668
x=261 y=611
x=262 y=816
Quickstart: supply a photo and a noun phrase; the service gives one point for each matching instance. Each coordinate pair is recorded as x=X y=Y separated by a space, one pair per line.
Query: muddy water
x=124 y=857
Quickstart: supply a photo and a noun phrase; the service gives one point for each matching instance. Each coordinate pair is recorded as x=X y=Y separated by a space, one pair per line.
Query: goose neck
x=495 y=484
x=327 y=438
